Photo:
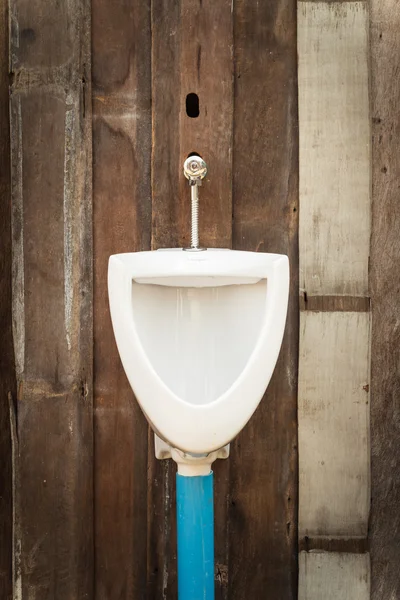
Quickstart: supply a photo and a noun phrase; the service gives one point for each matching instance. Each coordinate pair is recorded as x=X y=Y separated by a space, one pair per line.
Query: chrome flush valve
x=195 y=169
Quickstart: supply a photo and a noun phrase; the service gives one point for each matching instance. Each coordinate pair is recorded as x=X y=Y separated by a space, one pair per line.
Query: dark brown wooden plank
x=122 y=223
x=191 y=53
x=384 y=280
x=169 y=229
x=263 y=515
x=334 y=303
x=52 y=274
x=7 y=367
x=342 y=545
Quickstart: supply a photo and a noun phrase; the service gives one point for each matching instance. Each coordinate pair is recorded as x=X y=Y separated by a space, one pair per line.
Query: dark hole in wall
x=192 y=105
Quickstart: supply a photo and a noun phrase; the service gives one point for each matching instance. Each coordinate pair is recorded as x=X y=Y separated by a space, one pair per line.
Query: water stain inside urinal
x=199 y=339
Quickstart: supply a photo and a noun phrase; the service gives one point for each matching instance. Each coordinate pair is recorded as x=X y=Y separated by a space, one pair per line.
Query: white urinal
x=199 y=335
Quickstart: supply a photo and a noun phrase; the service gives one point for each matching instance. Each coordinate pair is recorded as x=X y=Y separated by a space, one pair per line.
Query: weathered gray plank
x=334 y=148
x=7 y=366
x=51 y=167
x=121 y=223
x=385 y=260
x=333 y=576
x=334 y=424
x=263 y=460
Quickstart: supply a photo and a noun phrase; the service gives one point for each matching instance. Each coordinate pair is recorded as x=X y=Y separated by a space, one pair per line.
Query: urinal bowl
x=199 y=335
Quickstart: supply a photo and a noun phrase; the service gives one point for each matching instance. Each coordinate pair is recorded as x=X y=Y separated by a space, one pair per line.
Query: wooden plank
x=52 y=275
x=7 y=367
x=328 y=544
x=334 y=146
x=334 y=303
x=191 y=53
x=263 y=461
x=333 y=575
x=385 y=256
x=334 y=424
x=122 y=223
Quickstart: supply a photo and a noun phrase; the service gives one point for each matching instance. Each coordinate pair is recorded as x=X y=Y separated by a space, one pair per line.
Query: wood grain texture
x=333 y=575
x=334 y=146
x=334 y=303
x=122 y=223
x=191 y=53
x=385 y=257
x=334 y=424
x=263 y=461
x=52 y=277
x=7 y=367
x=331 y=544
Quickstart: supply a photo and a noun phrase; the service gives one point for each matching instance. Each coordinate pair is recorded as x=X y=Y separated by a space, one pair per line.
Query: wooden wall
x=99 y=133
x=104 y=86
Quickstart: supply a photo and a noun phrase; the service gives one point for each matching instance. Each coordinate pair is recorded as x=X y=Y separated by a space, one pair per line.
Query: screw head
x=195 y=168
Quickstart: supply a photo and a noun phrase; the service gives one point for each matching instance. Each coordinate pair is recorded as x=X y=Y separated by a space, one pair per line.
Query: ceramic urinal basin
x=199 y=335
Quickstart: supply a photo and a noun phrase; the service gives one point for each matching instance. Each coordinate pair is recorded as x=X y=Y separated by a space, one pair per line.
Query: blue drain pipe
x=195 y=528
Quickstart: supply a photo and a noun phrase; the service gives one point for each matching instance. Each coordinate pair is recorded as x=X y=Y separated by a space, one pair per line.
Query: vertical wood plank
x=122 y=223
x=52 y=275
x=334 y=575
x=334 y=148
x=263 y=462
x=7 y=366
x=334 y=241
x=191 y=53
x=334 y=424
x=385 y=256
x=334 y=490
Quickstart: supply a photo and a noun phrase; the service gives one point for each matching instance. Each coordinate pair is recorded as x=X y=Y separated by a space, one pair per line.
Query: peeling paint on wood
x=69 y=178
x=18 y=277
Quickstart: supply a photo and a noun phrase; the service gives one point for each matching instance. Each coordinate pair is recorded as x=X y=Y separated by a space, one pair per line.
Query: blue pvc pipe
x=195 y=525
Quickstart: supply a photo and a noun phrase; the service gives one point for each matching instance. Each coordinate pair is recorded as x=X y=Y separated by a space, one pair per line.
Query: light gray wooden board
x=333 y=576
x=334 y=424
x=334 y=148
